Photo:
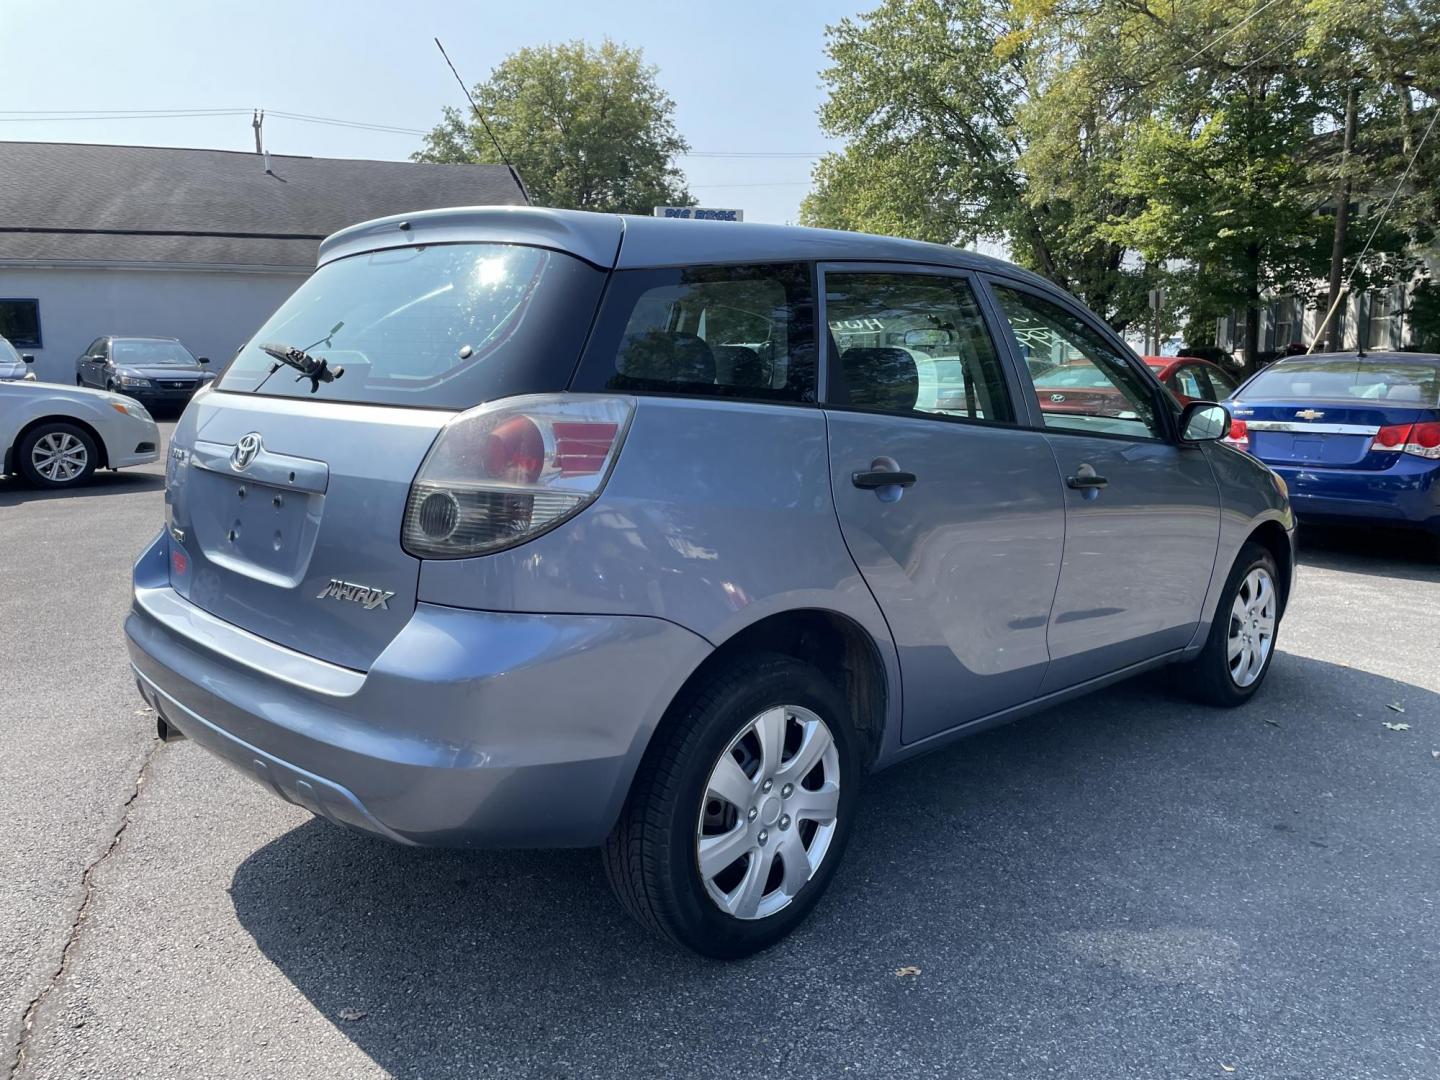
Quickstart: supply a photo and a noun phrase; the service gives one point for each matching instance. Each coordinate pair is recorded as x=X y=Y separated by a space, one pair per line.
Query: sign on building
x=700 y=213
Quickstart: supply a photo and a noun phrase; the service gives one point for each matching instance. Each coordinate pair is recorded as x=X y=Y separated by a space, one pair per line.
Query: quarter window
x=1082 y=382
x=20 y=323
x=912 y=343
x=712 y=331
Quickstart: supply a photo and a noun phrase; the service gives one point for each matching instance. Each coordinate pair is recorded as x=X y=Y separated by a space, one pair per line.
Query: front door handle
x=1086 y=479
x=870 y=479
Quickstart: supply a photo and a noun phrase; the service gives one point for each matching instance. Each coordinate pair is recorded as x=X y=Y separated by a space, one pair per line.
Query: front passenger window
x=1082 y=383
x=914 y=343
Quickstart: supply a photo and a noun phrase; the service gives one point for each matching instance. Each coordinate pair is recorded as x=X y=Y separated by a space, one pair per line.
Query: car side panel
x=718 y=514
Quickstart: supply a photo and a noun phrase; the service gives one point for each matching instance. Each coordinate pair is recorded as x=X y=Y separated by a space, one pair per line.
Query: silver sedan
x=57 y=436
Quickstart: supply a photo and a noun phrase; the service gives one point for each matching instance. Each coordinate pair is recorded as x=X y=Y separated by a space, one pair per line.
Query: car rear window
x=707 y=331
x=444 y=326
x=1348 y=378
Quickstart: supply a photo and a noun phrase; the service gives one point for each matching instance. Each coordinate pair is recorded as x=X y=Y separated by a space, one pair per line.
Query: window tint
x=1188 y=382
x=20 y=323
x=1082 y=382
x=715 y=331
x=913 y=343
x=438 y=326
x=1221 y=385
x=1344 y=378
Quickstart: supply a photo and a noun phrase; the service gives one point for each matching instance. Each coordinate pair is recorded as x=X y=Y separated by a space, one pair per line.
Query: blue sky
x=744 y=75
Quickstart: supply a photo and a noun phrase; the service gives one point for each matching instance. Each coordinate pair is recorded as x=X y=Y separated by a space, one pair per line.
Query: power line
x=1344 y=289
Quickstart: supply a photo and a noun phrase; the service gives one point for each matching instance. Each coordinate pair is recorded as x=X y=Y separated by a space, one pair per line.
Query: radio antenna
x=478 y=114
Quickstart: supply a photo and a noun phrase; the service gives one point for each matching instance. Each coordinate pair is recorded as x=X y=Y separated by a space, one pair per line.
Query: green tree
x=586 y=128
x=939 y=103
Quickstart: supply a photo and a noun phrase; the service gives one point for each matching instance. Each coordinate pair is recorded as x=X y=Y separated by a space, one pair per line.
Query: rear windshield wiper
x=316 y=369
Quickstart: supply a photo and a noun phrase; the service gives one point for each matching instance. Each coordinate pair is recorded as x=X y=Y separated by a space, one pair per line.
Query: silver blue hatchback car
x=526 y=527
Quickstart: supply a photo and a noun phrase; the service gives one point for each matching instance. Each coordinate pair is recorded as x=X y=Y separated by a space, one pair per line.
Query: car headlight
x=133 y=381
x=134 y=408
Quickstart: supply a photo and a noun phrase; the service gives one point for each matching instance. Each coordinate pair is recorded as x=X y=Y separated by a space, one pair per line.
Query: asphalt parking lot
x=1129 y=886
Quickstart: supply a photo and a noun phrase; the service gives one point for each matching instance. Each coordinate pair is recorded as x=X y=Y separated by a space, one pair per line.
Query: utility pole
x=1342 y=219
x=257 y=121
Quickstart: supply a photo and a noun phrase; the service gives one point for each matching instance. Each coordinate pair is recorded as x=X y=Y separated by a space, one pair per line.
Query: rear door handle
x=870 y=479
x=1086 y=479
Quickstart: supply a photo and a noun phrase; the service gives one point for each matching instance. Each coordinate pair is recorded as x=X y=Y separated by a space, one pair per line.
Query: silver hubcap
x=59 y=457
x=769 y=812
x=1252 y=627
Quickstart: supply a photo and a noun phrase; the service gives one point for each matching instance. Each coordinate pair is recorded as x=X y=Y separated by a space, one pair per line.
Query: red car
x=1191 y=379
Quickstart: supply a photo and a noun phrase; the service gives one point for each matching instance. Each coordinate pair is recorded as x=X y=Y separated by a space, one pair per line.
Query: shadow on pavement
x=1382 y=552
x=14 y=491
x=1129 y=885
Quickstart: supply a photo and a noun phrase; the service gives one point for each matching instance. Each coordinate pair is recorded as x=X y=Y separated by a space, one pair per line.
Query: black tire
x=651 y=859
x=79 y=381
x=25 y=450
x=1207 y=678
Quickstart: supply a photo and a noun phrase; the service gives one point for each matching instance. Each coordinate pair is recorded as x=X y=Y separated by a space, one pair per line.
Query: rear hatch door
x=288 y=516
x=288 y=483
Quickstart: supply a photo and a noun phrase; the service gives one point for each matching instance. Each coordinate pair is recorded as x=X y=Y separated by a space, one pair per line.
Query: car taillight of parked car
x=506 y=471
x=1422 y=439
x=1239 y=436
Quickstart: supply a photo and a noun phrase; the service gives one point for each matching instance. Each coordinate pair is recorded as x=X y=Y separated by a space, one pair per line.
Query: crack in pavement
x=87 y=893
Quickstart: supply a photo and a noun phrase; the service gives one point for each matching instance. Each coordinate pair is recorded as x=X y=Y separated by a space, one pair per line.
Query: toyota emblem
x=245 y=451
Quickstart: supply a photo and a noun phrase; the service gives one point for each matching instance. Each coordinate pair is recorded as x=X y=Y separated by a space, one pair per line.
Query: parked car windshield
x=8 y=355
x=150 y=353
x=436 y=326
x=1344 y=378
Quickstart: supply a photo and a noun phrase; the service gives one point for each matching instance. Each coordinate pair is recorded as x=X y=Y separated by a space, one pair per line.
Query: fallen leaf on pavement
x=352 y=1014
x=1395 y=707
x=908 y=970
x=1395 y=727
x=1435 y=753
x=1272 y=723
x=1227 y=1068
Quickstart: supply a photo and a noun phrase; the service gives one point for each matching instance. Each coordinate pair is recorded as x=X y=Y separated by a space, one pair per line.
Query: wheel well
x=835 y=645
x=102 y=460
x=1272 y=537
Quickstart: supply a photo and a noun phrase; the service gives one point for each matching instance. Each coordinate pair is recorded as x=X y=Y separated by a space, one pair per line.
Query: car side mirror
x=1204 y=421
x=204 y=359
x=28 y=358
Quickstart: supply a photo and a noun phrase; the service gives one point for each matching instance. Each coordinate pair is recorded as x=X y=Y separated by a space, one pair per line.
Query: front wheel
x=1241 y=645
x=740 y=811
x=57 y=455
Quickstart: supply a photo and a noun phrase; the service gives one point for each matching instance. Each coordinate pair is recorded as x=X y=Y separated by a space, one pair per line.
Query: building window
x=1387 y=308
x=20 y=323
x=1289 y=321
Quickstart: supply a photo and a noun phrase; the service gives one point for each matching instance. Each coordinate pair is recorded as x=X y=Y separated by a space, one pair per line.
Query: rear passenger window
x=712 y=331
x=911 y=343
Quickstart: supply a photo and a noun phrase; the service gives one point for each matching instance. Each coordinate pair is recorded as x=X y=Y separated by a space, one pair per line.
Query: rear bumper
x=1407 y=493
x=473 y=728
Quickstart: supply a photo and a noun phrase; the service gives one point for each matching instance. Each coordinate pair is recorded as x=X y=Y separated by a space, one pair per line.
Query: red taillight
x=504 y=472
x=1392 y=437
x=1239 y=436
x=1419 y=440
x=581 y=447
x=515 y=451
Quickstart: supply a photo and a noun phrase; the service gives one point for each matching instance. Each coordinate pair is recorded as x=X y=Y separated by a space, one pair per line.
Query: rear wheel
x=56 y=455
x=740 y=811
x=1241 y=645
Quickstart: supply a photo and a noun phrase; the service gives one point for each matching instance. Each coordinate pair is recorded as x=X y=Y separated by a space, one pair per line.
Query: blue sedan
x=1356 y=436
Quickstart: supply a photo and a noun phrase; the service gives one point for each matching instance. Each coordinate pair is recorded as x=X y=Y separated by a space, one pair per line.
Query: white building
x=201 y=245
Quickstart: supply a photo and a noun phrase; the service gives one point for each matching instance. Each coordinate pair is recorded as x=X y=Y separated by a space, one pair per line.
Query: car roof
x=624 y=241
x=1383 y=355
x=130 y=337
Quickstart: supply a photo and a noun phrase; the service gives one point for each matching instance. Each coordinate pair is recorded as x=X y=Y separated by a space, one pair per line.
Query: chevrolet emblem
x=1309 y=414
